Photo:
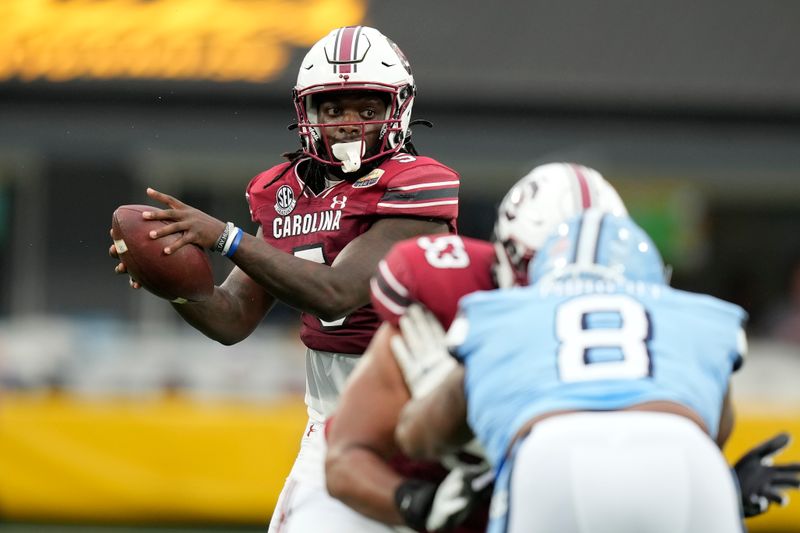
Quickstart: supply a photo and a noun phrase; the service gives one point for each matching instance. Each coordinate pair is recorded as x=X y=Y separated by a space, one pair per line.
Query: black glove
x=414 y=499
x=464 y=488
x=424 y=505
x=760 y=482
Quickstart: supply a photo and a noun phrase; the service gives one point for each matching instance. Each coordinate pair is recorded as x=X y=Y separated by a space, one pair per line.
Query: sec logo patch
x=285 y=200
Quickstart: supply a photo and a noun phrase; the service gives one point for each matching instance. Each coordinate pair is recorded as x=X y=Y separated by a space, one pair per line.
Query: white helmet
x=536 y=204
x=355 y=58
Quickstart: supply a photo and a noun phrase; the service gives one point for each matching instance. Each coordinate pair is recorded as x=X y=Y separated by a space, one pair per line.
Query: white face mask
x=349 y=154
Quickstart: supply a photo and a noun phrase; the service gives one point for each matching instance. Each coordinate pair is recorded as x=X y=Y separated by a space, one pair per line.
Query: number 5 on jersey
x=314 y=253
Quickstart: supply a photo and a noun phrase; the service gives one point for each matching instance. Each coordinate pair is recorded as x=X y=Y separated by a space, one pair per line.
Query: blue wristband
x=235 y=243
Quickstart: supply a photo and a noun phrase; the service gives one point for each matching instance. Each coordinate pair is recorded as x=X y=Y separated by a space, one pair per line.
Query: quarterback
x=326 y=216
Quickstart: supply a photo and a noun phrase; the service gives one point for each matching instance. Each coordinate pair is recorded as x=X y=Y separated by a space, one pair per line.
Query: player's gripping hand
x=421 y=351
x=196 y=226
x=760 y=482
x=424 y=505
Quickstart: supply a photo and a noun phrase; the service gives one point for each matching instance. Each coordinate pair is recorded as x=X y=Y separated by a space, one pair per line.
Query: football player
x=363 y=467
x=326 y=216
x=599 y=393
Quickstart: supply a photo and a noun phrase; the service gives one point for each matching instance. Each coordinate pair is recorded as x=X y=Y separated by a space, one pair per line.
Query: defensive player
x=363 y=468
x=325 y=217
x=596 y=391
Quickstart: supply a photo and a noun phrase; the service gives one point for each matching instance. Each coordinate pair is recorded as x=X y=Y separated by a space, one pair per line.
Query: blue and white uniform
x=593 y=346
x=594 y=341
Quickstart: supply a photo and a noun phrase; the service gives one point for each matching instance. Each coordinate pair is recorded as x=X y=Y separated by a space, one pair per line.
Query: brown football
x=185 y=273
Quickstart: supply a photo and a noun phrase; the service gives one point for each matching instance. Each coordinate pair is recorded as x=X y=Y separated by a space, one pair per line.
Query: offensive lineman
x=592 y=383
x=326 y=217
x=363 y=467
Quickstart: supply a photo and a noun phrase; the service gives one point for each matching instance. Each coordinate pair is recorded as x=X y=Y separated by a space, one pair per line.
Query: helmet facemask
x=354 y=59
x=511 y=267
x=392 y=134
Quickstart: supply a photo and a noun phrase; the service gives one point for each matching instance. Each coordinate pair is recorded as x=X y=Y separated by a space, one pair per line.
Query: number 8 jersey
x=591 y=345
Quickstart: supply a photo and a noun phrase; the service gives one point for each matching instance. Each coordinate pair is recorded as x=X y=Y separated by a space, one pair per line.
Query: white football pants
x=304 y=505
x=620 y=472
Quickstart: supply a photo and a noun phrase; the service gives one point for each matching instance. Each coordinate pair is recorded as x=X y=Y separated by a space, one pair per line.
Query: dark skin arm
x=233 y=312
x=436 y=424
x=361 y=435
x=326 y=291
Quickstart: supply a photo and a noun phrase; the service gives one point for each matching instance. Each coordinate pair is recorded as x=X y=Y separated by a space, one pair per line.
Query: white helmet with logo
x=355 y=58
x=536 y=204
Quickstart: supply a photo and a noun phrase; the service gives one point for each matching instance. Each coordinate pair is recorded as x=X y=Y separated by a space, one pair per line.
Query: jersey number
x=314 y=253
x=444 y=252
x=576 y=339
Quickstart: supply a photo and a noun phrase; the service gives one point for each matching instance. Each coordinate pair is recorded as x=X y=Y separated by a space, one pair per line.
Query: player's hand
x=760 y=482
x=424 y=505
x=421 y=351
x=464 y=488
x=122 y=269
x=197 y=227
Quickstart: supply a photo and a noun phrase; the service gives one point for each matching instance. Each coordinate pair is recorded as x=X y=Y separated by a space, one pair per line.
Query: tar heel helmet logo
x=285 y=200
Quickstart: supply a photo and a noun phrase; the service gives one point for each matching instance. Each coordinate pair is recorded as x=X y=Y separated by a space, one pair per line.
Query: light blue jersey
x=592 y=345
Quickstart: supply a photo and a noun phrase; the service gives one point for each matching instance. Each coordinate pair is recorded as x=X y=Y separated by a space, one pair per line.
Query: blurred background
x=115 y=416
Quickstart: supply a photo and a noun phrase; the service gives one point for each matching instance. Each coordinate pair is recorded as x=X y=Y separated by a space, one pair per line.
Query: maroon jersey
x=433 y=270
x=318 y=226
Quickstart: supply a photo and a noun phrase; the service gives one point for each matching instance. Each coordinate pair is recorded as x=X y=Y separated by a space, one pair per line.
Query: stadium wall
x=173 y=458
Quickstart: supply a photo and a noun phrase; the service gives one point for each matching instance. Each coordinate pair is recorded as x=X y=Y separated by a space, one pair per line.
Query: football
x=182 y=275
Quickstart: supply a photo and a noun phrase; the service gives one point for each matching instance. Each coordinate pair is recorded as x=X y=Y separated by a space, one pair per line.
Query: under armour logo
x=338 y=204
